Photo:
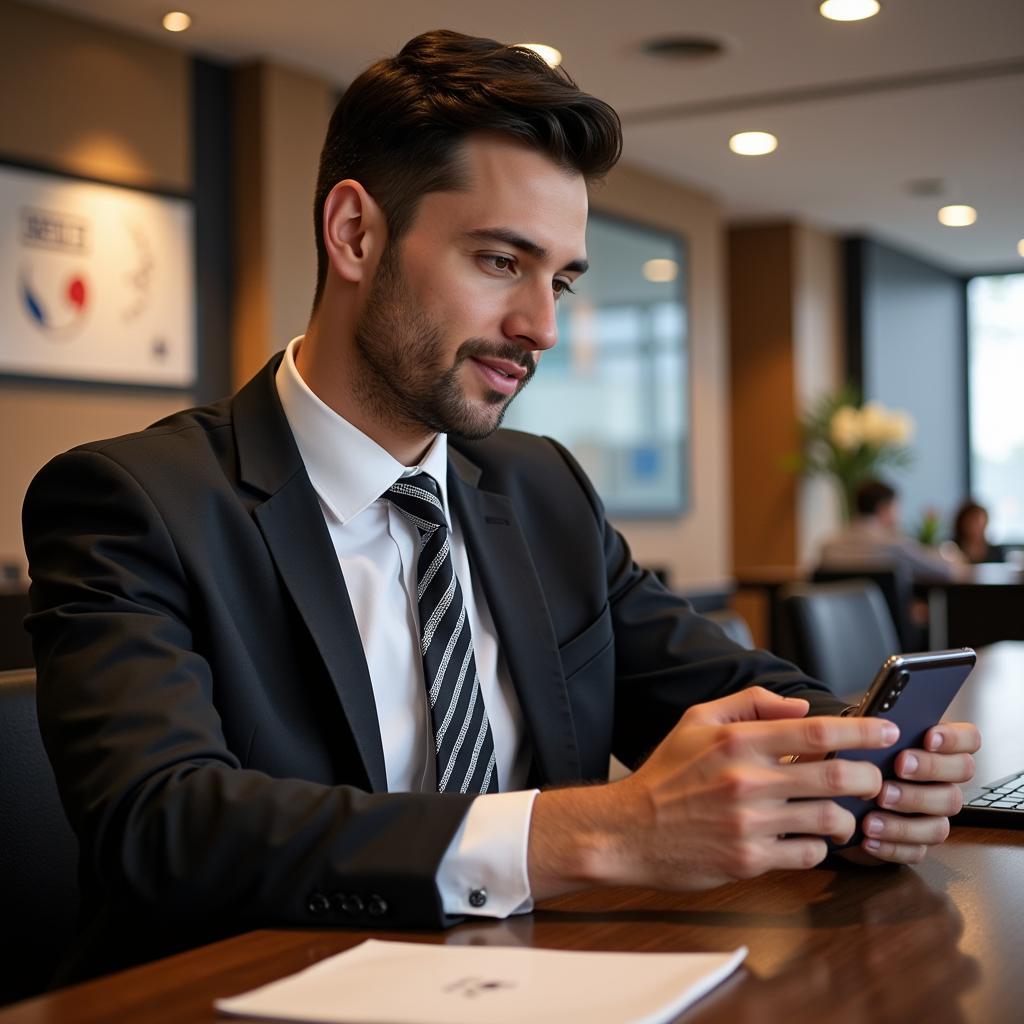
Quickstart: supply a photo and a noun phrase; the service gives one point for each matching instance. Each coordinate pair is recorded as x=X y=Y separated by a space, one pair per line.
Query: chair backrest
x=733 y=625
x=839 y=632
x=897 y=587
x=15 y=643
x=38 y=851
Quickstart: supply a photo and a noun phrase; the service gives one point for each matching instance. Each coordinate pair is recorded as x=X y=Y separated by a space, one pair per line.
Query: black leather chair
x=15 y=643
x=838 y=632
x=897 y=587
x=38 y=851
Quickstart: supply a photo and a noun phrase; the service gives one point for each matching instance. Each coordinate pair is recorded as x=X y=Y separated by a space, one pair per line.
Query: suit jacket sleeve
x=668 y=657
x=170 y=821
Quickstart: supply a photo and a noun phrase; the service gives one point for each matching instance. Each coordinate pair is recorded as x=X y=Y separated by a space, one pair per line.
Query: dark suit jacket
x=205 y=700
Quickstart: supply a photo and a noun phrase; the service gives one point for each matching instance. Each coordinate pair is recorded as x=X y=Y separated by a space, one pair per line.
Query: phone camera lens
x=901 y=680
x=886 y=705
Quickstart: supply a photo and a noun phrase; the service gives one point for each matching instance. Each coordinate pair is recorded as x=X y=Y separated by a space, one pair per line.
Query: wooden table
x=937 y=943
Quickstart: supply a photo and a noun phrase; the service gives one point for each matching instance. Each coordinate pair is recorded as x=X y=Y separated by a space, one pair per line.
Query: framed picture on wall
x=99 y=281
x=615 y=389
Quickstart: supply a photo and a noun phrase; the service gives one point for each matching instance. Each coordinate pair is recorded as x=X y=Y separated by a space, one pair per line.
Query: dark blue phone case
x=914 y=691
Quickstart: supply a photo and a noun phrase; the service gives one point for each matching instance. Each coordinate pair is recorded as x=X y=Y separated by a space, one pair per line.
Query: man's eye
x=561 y=288
x=500 y=262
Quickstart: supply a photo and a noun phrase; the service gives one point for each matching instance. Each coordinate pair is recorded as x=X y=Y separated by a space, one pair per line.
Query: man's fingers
x=820 y=735
x=816 y=818
x=748 y=705
x=895 y=853
x=921 y=766
x=796 y=854
x=953 y=738
x=930 y=798
x=831 y=778
x=927 y=830
x=769 y=705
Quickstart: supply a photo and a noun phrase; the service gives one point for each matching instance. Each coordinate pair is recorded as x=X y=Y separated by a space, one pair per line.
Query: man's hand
x=928 y=789
x=713 y=803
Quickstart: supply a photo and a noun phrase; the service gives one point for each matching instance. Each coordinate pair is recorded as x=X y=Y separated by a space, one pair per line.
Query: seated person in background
x=874 y=539
x=339 y=651
x=969 y=528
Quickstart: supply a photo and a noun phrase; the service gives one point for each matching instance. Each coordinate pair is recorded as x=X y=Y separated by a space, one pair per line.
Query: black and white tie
x=463 y=743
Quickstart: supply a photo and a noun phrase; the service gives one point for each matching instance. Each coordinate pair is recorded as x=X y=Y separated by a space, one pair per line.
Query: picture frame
x=99 y=281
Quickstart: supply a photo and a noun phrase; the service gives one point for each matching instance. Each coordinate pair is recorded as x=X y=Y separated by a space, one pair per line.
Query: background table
x=985 y=606
x=938 y=943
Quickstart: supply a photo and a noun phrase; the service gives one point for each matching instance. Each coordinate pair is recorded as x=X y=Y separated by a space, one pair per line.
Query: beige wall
x=90 y=101
x=83 y=98
x=695 y=547
x=282 y=117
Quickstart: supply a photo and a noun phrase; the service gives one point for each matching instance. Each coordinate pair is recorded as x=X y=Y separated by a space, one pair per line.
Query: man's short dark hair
x=872 y=496
x=399 y=126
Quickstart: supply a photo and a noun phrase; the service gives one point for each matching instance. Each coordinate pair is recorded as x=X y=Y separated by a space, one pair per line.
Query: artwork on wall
x=615 y=389
x=98 y=279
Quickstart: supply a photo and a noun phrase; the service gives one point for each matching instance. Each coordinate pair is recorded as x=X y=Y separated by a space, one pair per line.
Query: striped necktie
x=463 y=743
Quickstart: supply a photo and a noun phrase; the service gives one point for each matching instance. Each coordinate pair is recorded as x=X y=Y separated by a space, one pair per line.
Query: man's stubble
x=400 y=378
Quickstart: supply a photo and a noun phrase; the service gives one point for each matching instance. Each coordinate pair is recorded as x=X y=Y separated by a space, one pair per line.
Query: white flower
x=901 y=428
x=844 y=430
x=874 y=424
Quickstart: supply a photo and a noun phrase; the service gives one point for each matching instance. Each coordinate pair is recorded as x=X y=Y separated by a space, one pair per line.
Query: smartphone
x=914 y=691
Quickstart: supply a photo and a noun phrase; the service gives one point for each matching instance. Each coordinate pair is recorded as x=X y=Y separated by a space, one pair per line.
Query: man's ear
x=354 y=231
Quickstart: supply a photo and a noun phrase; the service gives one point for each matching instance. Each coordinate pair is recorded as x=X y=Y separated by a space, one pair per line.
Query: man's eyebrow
x=512 y=238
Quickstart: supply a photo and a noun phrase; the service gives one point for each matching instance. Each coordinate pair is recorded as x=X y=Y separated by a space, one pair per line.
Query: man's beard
x=402 y=381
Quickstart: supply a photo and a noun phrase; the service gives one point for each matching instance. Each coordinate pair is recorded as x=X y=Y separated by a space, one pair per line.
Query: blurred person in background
x=969 y=534
x=874 y=538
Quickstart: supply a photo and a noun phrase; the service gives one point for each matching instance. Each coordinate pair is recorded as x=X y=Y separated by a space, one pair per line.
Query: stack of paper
x=421 y=983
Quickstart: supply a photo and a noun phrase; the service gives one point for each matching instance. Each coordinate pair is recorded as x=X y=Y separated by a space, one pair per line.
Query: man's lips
x=505 y=366
x=502 y=375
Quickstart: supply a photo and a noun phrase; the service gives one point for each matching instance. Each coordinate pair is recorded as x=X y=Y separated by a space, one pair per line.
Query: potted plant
x=851 y=442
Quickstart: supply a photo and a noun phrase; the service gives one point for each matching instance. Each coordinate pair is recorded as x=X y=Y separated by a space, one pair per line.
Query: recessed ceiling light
x=753 y=143
x=957 y=216
x=548 y=54
x=661 y=270
x=1020 y=247
x=928 y=188
x=176 y=21
x=850 y=10
x=683 y=47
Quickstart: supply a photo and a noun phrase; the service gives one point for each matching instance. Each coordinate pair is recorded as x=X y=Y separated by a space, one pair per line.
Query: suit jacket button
x=318 y=904
x=376 y=906
x=478 y=897
x=352 y=904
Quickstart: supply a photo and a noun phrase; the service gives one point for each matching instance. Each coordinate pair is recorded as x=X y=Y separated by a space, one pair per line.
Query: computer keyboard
x=998 y=804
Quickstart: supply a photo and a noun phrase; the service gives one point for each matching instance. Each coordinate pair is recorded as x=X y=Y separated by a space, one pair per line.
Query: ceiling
x=928 y=89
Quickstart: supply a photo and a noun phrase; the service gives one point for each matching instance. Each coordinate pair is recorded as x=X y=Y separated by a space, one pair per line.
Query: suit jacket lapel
x=296 y=534
x=500 y=556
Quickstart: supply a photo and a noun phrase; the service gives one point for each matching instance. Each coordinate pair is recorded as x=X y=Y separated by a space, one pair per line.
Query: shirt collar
x=346 y=468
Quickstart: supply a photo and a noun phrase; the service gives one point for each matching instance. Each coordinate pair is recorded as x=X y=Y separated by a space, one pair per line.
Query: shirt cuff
x=483 y=872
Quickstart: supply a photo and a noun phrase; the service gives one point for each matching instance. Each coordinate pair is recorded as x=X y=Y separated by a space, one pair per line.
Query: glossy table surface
x=935 y=943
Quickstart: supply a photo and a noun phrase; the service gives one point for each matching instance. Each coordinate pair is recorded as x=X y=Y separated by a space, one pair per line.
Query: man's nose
x=533 y=320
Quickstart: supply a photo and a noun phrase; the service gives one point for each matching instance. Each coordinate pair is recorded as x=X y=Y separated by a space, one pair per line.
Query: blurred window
x=995 y=353
x=615 y=389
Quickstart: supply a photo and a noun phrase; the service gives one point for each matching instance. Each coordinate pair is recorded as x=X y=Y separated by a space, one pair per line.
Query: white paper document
x=422 y=983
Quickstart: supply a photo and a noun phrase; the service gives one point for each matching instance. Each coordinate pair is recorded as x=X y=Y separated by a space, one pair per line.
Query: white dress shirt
x=377 y=549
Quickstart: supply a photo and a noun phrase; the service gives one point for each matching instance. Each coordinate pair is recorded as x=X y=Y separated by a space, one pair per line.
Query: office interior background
x=821 y=263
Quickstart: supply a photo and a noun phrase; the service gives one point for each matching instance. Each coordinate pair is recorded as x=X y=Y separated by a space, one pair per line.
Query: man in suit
x=306 y=655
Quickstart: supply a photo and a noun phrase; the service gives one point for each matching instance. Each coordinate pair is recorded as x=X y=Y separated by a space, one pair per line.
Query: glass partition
x=996 y=373
x=615 y=390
